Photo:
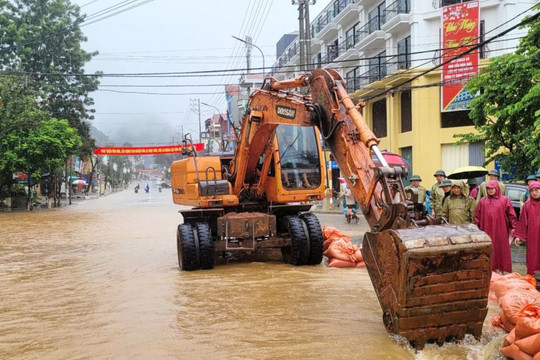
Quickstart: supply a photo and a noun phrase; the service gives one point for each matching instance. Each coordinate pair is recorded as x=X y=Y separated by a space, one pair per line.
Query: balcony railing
x=373 y=25
x=324 y=19
x=396 y=8
x=328 y=16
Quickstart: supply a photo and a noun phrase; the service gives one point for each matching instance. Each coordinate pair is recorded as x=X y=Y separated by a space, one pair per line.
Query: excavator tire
x=298 y=253
x=432 y=282
x=187 y=251
x=315 y=238
x=206 y=246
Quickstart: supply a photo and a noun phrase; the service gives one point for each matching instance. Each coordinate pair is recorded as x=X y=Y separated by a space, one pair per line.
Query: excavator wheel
x=206 y=246
x=314 y=232
x=186 y=248
x=298 y=253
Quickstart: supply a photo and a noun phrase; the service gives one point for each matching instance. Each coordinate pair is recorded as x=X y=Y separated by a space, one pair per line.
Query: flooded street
x=100 y=280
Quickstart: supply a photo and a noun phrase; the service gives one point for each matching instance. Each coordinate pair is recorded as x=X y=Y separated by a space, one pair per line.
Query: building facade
x=376 y=45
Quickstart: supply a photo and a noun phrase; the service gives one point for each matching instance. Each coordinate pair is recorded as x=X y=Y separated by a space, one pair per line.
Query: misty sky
x=160 y=36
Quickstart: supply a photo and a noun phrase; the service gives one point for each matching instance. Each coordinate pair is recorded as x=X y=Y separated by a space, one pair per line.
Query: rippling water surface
x=99 y=280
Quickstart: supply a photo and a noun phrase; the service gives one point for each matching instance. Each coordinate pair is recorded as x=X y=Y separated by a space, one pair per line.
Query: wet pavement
x=99 y=279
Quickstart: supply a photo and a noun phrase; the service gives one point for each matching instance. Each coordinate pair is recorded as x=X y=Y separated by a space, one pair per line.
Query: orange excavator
x=431 y=278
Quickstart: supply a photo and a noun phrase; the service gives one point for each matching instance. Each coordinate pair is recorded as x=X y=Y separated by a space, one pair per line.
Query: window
x=332 y=51
x=406 y=111
x=299 y=157
x=483 y=48
x=404 y=6
x=379 y=118
x=455 y=119
x=376 y=17
x=377 y=67
x=317 y=60
x=351 y=36
x=352 y=80
x=404 y=53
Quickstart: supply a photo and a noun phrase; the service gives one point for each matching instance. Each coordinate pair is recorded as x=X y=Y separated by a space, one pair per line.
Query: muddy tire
x=187 y=251
x=206 y=246
x=298 y=253
x=315 y=238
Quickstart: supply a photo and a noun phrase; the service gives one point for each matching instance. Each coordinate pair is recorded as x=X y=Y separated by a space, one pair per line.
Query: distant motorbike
x=136 y=189
x=147 y=189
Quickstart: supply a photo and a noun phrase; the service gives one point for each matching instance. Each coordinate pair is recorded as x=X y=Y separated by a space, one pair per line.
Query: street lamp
x=255 y=46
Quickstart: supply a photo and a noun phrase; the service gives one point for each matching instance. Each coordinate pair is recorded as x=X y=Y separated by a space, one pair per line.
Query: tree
x=41 y=40
x=506 y=111
x=31 y=141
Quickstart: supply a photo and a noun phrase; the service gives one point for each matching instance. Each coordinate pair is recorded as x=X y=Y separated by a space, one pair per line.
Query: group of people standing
x=487 y=207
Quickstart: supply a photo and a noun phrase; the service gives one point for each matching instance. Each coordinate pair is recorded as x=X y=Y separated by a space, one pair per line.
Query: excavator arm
x=379 y=190
x=266 y=111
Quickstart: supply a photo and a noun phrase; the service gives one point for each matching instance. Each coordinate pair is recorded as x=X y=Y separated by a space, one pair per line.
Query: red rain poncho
x=528 y=230
x=496 y=216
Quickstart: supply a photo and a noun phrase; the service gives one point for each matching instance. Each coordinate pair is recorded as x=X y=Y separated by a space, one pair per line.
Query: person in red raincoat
x=528 y=228
x=496 y=216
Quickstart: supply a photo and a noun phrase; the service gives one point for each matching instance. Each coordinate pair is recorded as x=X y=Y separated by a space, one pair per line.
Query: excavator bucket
x=432 y=282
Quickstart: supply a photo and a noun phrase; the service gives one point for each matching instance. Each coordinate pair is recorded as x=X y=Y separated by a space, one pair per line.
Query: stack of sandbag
x=340 y=250
x=520 y=314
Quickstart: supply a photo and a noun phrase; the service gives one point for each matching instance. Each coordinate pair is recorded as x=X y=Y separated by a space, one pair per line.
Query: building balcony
x=329 y=32
x=347 y=51
x=373 y=40
x=349 y=12
x=397 y=17
x=370 y=36
x=321 y=22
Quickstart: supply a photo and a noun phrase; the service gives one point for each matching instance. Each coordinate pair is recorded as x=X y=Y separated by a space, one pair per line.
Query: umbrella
x=391 y=158
x=79 y=182
x=467 y=172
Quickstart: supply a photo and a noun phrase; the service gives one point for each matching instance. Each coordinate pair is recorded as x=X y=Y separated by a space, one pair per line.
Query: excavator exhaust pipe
x=432 y=282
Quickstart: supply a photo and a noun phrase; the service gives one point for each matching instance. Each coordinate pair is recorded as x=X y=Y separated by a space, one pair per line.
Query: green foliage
x=30 y=140
x=42 y=39
x=506 y=111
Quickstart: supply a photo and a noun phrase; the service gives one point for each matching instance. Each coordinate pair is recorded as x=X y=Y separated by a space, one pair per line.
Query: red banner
x=460 y=31
x=145 y=150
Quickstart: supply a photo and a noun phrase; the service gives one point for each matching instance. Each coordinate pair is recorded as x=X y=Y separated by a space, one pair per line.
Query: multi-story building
x=376 y=45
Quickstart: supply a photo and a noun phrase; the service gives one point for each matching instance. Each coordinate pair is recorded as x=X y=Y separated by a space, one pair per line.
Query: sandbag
x=513 y=352
x=329 y=241
x=530 y=344
x=330 y=231
x=510 y=282
x=360 y=264
x=537 y=356
x=513 y=302
x=341 y=263
x=528 y=321
x=510 y=338
x=342 y=250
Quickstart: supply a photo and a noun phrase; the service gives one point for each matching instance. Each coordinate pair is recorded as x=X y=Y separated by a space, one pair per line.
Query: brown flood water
x=100 y=280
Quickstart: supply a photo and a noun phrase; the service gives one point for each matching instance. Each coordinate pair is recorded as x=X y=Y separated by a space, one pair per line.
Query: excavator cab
x=299 y=157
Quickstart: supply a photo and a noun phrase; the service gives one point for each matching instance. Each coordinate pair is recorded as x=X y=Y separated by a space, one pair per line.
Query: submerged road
x=100 y=280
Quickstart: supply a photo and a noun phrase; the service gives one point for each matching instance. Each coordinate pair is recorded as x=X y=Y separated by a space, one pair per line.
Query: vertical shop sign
x=460 y=31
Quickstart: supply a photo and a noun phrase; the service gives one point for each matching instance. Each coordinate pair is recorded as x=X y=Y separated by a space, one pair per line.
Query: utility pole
x=304 y=33
x=195 y=105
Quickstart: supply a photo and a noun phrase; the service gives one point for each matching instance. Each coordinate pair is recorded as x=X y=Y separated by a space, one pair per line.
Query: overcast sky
x=160 y=36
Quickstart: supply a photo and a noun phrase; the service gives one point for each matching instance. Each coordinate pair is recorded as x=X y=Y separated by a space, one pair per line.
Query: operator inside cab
x=299 y=157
